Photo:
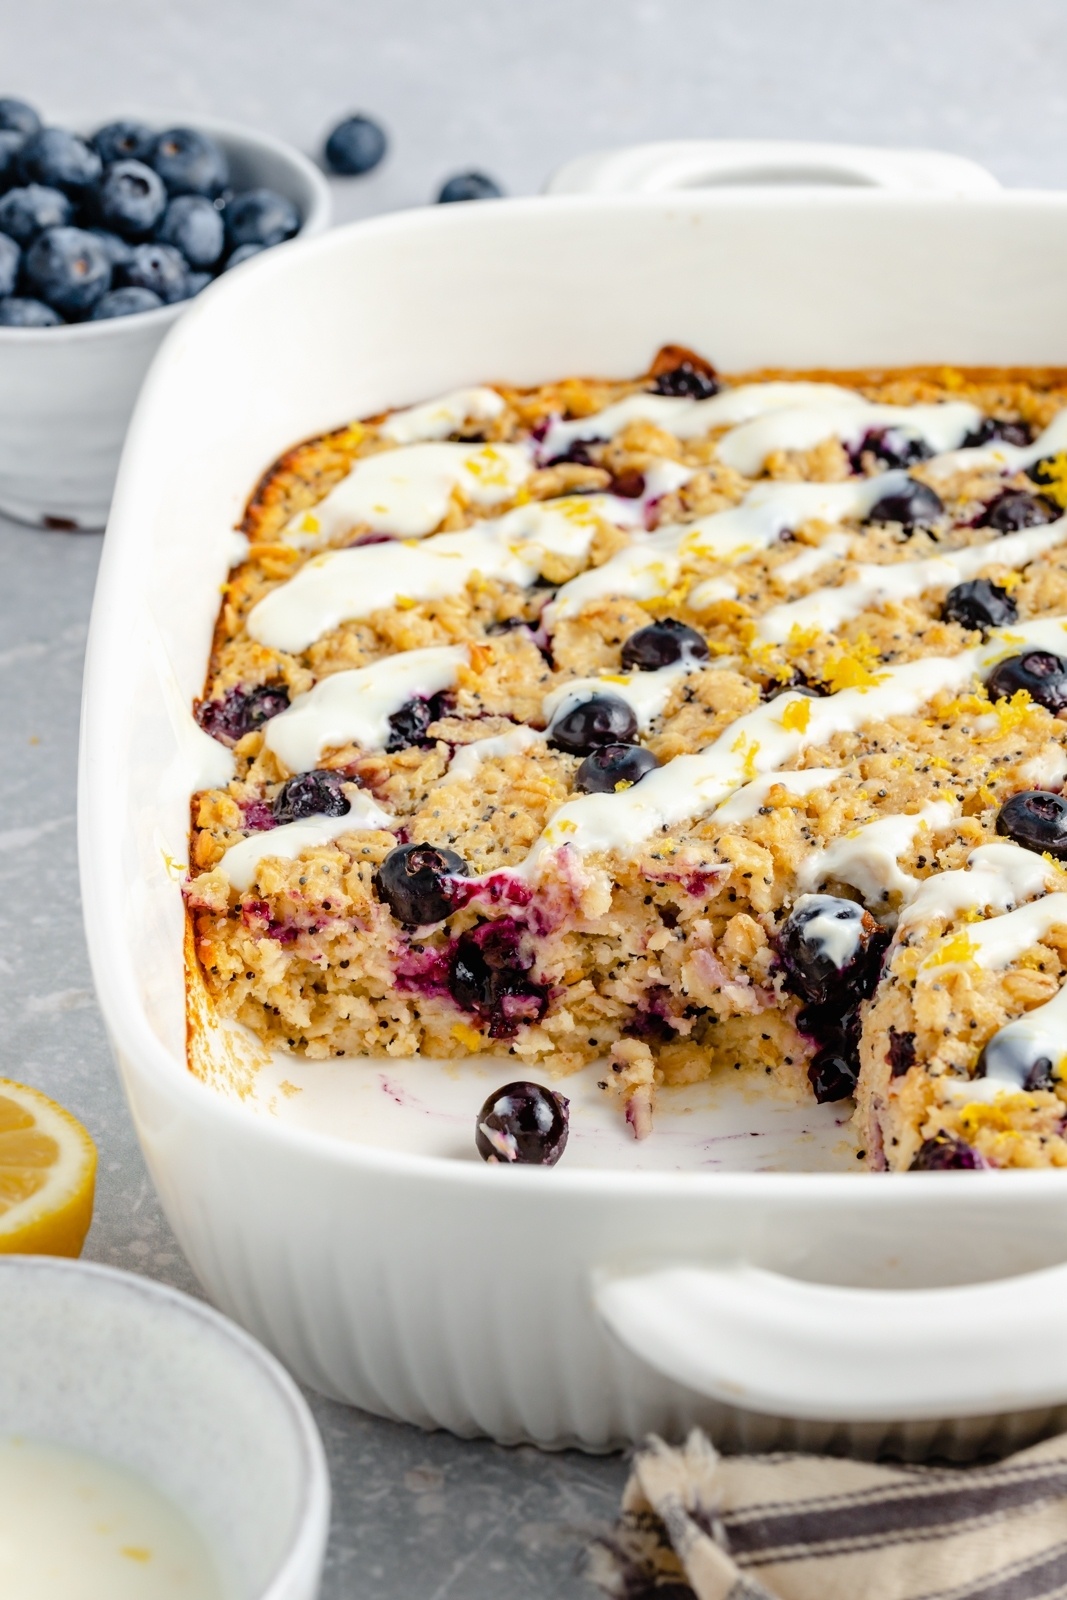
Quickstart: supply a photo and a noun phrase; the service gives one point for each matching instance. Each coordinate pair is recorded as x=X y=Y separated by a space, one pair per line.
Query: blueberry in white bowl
x=260 y=216
x=193 y=225
x=18 y=117
x=158 y=267
x=29 y=209
x=190 y=162
x=126 y=302
x=130 y=199
x=69 y=270
x=62 y=160
x=125 y=140
x=22 y=312
x=10 y=258
x=10 y=145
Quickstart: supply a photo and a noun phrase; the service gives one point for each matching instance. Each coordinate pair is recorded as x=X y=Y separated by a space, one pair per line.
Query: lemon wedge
x=47 y=1175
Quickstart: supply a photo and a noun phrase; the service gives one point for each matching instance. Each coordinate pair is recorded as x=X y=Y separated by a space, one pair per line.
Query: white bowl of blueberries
x=105 y=235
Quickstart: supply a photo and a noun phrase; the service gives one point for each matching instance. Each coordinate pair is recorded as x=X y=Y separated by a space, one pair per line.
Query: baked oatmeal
x=687 y=724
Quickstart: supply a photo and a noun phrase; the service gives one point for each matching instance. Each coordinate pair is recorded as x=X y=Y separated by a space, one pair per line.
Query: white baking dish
x=350 y=1226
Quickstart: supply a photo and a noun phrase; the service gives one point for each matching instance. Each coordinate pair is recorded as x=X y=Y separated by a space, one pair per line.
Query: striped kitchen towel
x=792 y=1527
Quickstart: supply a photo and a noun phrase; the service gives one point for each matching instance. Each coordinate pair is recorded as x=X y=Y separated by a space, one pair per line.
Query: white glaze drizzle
x=835 y=928
x=647 y=693
x=1017 y=1047
x=241 y=861
x=436 y=419
x=469 y=757
x=835 y=547
x=710 y=592
x=354 y=707
x=1004 y=457
x=868 y=856
x=997 y=877
x=747 y=801
x=874 y=585
x=1046 y=770
x=407 y=491
x=998 y=941
x=747 y=447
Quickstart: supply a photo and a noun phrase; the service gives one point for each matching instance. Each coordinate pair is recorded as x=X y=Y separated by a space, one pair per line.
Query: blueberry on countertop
x=355 y=146
x=997 y=430
x=18 y=117
x=69 y=270
x=318 y=793
x=914 y=506
x=26 y=212
x=158 y=267
x=125 y=303
x=243 y=253
x=602 y=719
x=413 y=882
x=60 y=160
x=260 y=216
x=686 y=381
x=194 y=226
x=523 y=1123
x=1014 y=509
x=130 y=199
x=21 y=313
x=123 y=141
x=10 y=256
x=10 y=145
x=612 y=767
x=190 y=162
x=979 y=604
x=1037 y=820
x=661 y=644
x=1042 y=673
x=468 y=186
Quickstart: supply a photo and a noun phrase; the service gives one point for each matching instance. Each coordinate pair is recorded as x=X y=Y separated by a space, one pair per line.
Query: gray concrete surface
x=514 y=88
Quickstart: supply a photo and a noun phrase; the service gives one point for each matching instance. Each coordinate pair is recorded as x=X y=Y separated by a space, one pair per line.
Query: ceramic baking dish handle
x=742 y=163
x=752 y=1338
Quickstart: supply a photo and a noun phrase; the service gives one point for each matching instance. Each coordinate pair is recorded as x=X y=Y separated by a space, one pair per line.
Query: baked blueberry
x=10 y=256
x=468 y=186
x=943 y=1153
x=413 y=881
x=825 y=947
x=612 y=767
x=629 y=485
x=686 y=381
x=260 y=216
x=1040 y=672
x=1037 y=820
x=244 y=252
x=18 y=117
x=125 y=303
x=123 y=141
x=241 y=710
x=23 y=313
x=408 y=725
x=832 y=1073
x=996 y=430
x=914 y=506
x=661 y=644
x=119 y=251
x=979 y=604
x=194 y=226
x=890 y=448
x=10 y=145
x=523 y=1123
x=27 y=212
x=69 y=270
x=318 y=793
x=60 y=160
x=488 y=976
x=600 y=720
x=158 y=267
x=355 y=146
x=1013 y=509
x=130 y=199
x=190 y=162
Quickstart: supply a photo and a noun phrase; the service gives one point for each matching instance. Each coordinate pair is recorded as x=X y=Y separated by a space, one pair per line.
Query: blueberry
x=901 y=1052
x=408 y=725
x=125 y=303
x=468 y=186
x=1041 y=673
x=979 y=604
x=994 y=429
x=10 y=256
x=318 y=793
x=890 y=448
x=628 y=485
x=523 y=1123
x=10 y=145
x=189 y=162
x=27 y=314
x=488 y=976
x=915 y=506
x=260 y=216
x=661 y=644
x=355 y=146
x=130 y=199
x=196 y=282
x=1014 y=509
x=119 y=251
x=193 y=225
x=826 y=946
x=18 y=117
x=614 y=766
x=943 y=1153
x=832 y=1073
x=244 y=252
x=1037 y=820
x=69 y=269
x=123 y=141
x=158 y=267
x=61 y=160
x=24 y=213
x=687 y=381
x=602 y=719
x=413 y=882
x=241 y=710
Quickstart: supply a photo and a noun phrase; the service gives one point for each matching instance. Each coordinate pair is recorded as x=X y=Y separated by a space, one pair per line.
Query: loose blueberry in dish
x=127 y=302
x=602 y=719
x=413 y=881
x=1014 y=509
x=60 y=160
x=18 y=117
x=260 y=216
x=996 y=430
x=355 y=146
x=1037 y=820
x=686 y=381
x=123 y=141
x=22 y=313
x=241 y=711
x=158 y=267
x=1040 y=672
x=979 y=604
x=889 y=449
x=195 y=227
x=661 y=644
x=612 y=767
x=27 y=212
x=833 y=1071
x=130 y=199
x=946 y=1154
x=523 y=1123
x=190 y=162
x=915 y=506
x=69 y=270
x=489 y=977
x=468 y=186
x=318 y=793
